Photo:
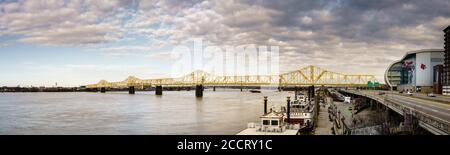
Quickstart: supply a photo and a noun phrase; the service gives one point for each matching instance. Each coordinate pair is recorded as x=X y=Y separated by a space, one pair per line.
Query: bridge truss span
x=306 y=76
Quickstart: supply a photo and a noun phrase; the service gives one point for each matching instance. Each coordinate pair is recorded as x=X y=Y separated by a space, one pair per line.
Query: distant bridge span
x=307 y=76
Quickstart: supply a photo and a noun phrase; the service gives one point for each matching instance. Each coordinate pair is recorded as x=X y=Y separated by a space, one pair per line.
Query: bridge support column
x=214 y=88
x=410 y=121
x=158 y=90
x=241 y=88
x=131 y=90
x=378 y=106
x=199 y=91
x=103 y=90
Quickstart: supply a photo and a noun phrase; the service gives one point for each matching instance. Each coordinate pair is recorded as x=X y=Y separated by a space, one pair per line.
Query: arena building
x=415 y=71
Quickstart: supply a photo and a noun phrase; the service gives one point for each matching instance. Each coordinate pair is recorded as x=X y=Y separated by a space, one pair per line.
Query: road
x=437 y=98
x=430 y=107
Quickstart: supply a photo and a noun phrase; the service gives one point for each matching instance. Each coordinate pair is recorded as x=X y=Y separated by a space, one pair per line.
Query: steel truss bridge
x=307 y=76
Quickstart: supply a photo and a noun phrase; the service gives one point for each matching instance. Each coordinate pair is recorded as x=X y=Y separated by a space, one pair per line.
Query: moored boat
x=255 y=91
x=301 y=113
x=272 y=123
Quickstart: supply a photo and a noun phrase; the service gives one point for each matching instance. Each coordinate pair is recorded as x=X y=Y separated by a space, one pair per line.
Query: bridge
x=306 y=76
x=430 y=115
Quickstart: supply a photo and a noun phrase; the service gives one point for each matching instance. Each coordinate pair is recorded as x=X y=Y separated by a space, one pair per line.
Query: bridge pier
x=199 y=91
x=131 y=90
x=158 y=90
x=371 y=103
x=214 y=88
x=103 y=90
x=410 y=122
x=379 y=106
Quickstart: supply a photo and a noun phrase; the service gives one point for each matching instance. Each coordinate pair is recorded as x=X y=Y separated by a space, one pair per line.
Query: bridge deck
x=433 y=116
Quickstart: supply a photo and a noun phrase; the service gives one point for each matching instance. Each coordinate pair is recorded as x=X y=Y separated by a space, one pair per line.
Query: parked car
x=347 y=99
x=409 y=93
x=431 y=95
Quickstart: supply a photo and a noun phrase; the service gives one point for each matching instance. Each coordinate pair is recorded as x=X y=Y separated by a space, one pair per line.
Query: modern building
x=437 y=79
x=415 y=71
x=446 y=69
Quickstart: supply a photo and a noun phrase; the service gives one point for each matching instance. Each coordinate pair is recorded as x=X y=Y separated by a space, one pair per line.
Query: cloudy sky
x=77 y=42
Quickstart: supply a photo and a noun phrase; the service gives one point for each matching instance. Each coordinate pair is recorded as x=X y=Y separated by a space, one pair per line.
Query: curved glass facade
x=394 y=74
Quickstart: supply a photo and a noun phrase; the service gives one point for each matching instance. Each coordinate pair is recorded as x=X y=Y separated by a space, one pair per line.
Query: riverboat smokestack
x=265 y=105
x=296 y=91
x=288 y=112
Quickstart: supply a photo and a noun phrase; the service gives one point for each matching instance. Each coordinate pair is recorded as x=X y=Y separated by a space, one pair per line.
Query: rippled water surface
x=175 y=112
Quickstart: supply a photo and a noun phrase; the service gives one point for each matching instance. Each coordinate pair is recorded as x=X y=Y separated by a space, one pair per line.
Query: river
x=118 y=113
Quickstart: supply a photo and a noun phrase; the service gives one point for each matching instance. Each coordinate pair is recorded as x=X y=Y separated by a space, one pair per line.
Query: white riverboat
x=301 y=113
x=271 y=123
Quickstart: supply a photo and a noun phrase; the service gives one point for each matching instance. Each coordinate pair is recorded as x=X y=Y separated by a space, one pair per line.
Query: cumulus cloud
x=346 y=36
x=163 y=56
x=58 y=22
x=74 y=34
x=126 y=50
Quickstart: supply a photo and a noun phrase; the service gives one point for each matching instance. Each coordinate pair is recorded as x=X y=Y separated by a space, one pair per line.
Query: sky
x=79 y=42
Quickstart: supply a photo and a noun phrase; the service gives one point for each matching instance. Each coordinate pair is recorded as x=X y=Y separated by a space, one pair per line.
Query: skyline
x=82 y=42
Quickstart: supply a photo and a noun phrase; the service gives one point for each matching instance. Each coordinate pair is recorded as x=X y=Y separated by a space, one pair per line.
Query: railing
x=260 y=128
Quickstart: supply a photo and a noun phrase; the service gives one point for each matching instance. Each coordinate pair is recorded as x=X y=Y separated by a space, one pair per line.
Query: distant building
x=415 y=71
x=446 y=70
x=437 y=78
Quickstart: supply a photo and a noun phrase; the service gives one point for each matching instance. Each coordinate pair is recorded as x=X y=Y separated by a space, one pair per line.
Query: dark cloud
x=357 y=20
x=370 y=20
x=289 y=9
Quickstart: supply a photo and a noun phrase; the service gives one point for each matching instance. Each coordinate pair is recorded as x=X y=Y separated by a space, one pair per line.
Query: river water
x=175 y=112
